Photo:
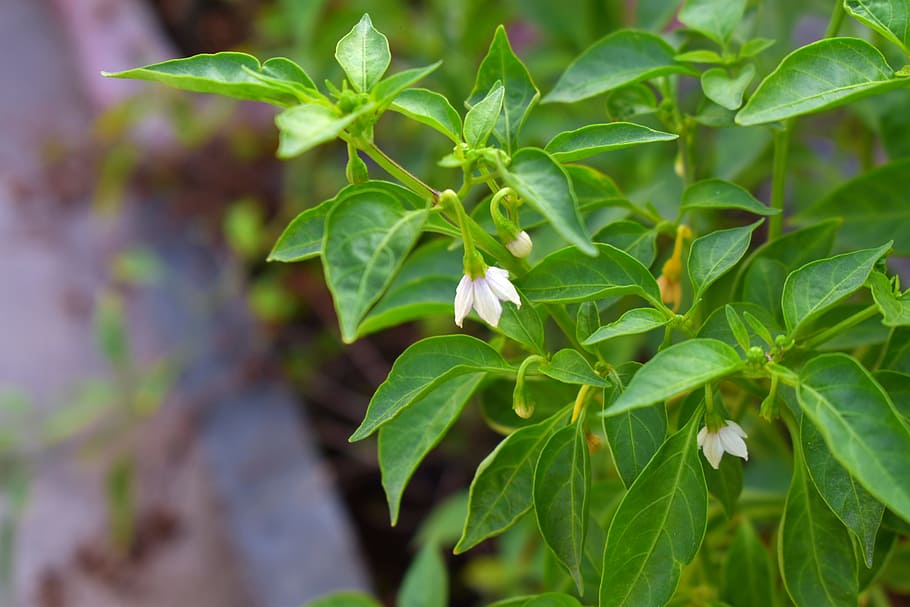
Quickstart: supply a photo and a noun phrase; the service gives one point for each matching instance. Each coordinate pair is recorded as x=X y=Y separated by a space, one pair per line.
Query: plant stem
x=840 y=327
x=396 y=170
x=778 y=180
x=837 y=18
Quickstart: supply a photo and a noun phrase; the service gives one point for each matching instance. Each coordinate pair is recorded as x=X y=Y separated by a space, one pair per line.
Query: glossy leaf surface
x=431 y=109
x=713 y=255
x=596 y=138
x=638 y=320
x=720 y=194
x=890 y=18
x=364 y=55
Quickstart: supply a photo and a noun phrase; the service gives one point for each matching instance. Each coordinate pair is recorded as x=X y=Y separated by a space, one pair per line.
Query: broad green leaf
x=407 y=439
x=593 y=189
x=720 y=194
x=897 y=350
x=426 y=582
x=345 y=599
x=632 y=100
x=817 y=286
x=851 y=503
x=872 y=206
x=501 y=491
x=860 y=426
x=570 y=367
x=523 y=325
x=429 y=108
x=895 y=308
x=636 y=435
x=701 y=56
x=796 y=249
x=764 y=284
x=737 y=327
x=724 y=90
x=748 y=577
x=621 y=58
x=482 y=117
x=890 y=18
x=546 y=187
x=712 y=255
x=501 y=65
x=716 y=19
x=821 y=75
x=424 y=286
x=303 y=127
x=546 y=599
x=368 y=235
x=897 y=385
x=725 y=483
x=364 y=55
x=658 y=527
x=677 y=369
x=816 y=555
x=387 y=90
x=632 y=237
x=421 y=368
x=570 y=276
x=229 y=74
x=562 y=480
x=633 y=322
x=302 y=239
x=596 y=138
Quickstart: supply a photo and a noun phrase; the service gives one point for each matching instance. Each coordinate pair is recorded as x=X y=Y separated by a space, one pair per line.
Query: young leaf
x=387 y=90
x=431 y=109
x=303 y=127
x=596 y=138
x=426 y=582
x=895 y=309
x=712 y=255
x=406 y=440
x=860 y=426
x=633 y=322
x=817 y=286
x=421 y=368
x=658 y=526
x=633 y=238
x=748 y=578
x=545 y=186
x=821 y=75
x=523 y=325
x=740 y=333
x=286 y=75
x=716 y=326
x=501 y=65
x=562 y=480
x=302 y=239
x=570 y=367
x=345 y=599
x=890 y=18
x=816 y=555
x=501 y=491
x=621 y=58
x=716 y=19
x=681 y=367
x=569 y=276
x=368 y=235
x=719 y=194
x=364 y=55
x=725 y=91
x=480 y=120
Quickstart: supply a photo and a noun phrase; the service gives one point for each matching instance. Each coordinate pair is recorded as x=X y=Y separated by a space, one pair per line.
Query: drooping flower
x=484 y=294
x=726 y=439
x=521 y=245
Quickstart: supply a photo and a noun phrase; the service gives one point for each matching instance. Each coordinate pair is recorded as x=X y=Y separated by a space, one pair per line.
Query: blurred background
x=174 y=411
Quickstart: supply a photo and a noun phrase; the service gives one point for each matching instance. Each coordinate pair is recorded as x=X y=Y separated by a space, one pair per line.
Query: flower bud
x=521 y=246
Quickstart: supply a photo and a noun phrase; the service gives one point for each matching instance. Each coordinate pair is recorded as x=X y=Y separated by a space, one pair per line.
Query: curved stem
x=394 y=169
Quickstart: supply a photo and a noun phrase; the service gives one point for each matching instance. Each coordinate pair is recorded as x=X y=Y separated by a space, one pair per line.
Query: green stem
x=778 y=180
x=837 y=18
x=840 y=327
x=395 y=170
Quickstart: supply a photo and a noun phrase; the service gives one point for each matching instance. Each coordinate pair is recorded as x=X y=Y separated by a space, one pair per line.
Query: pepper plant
x=630 y=337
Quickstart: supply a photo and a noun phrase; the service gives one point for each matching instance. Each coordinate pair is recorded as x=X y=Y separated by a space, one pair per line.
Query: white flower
x=484 y=294
x=521 y=246
x=727 y=439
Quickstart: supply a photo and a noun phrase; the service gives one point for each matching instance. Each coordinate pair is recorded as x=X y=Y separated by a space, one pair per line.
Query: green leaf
x=621 y=58
x=596 y=138
x=737 y=328
x=764 y=284
x=897 y=385
x=816 y=555
x=821 y=75
x=716 y=326
x=748 y=579
x=303 y=127
x=387 y=90
x=368 y=235
x=426 y=582
x=632 y=237
x=701 y=56
x=553 y=599
x=302 y=239
x=480 y=119
x=873 y=207
x=501 y=65
x=569 y=276
x=860 y=425
x=364 y=55
x=677 y=369
x=795 y=249
x=755 y=46
x=570 y=367
x=720 y=194
x=725 y=483
x=229 y=74
x=712 y=255
x=523 y=325
x=819 y=285
x=501 y=491
x=658 y=526
x=897 y=350
x=345 y=599
x=431 y=109
x=890 y=18
x=725 y=91
x=546 y=187
x=635 y=435
x=716 y=19
x=851 y=503
x=421 y=368
x=895 y=308
x=406 y=440
x=633 y=322
x=562 y=480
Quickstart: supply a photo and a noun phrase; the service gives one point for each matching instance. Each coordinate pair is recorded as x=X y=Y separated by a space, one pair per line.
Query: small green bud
x=755 y=355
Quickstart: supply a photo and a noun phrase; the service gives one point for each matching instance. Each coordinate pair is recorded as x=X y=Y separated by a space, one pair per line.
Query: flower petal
x=713 y=450
x=464 y=298
x=701 y=436
x=486 y=303
x=736 y=428
x=498 y=279
x=732 y=443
